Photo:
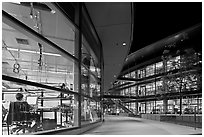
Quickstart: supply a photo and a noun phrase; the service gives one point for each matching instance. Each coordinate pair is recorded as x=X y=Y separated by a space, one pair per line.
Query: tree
x=181 y=72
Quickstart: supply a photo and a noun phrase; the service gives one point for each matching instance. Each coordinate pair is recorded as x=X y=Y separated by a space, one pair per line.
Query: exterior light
x=176 y=36
x=53 y=11
x=124 y=44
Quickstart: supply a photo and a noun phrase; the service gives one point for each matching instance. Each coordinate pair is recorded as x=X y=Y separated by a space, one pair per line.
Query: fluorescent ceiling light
x=51 y=54
x=12 y=49
x=35 y=52
x=53 y=11
x=124 y=44
x=28 y=51
x=16 y=2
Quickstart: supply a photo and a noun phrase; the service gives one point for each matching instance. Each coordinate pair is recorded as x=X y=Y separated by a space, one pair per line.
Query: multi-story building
x=168 y=84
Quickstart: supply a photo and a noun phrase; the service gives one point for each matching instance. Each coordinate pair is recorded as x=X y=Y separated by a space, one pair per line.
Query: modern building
x=75 y=62
x=168 y=84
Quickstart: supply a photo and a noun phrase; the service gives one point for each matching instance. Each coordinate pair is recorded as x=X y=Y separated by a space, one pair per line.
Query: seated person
x=4 y=112
x=19 y=113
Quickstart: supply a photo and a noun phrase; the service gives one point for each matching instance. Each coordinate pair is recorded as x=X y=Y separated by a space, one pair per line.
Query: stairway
x=119 y=104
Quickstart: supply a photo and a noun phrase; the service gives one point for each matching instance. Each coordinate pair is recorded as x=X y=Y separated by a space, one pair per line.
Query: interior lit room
x=101 y=68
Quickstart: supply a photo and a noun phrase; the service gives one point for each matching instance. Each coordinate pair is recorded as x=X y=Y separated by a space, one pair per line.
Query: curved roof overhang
x=180 y=40
x=114 y=24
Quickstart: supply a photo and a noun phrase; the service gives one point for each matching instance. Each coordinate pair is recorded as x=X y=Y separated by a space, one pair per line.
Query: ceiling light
x=30 y=51
x=53 y=11
x=124 y=44
x=16 y=2
x=12 y=49
x=51 y=54
x=176 y=36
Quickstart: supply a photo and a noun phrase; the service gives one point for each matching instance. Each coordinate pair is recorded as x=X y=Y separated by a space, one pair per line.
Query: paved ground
x=118 y=125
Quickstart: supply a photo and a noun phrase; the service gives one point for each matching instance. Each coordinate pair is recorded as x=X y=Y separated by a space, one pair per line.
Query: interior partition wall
x=47 y=55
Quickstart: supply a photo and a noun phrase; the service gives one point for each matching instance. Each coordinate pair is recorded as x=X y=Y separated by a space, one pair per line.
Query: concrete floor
x=119 y=125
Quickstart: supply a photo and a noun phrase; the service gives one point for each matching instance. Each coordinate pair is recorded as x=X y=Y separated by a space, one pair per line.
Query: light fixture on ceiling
x=22 y=41
x=176 y=36
x=12 y=49
x=53 y=11
x=30 y=51
x=31 y=10
x=124 y=43
x=16 y=2
x=51 y=54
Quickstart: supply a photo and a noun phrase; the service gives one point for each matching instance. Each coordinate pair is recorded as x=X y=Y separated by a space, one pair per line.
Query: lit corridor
x=119 y=125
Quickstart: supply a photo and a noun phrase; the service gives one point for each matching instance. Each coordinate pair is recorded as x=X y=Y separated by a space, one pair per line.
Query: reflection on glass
x=150 y=107
x=90 y=72
x=150 y=70
x=33 y=61
x=90 y=85
x=27 y=59
x=150 y=89
x=159 y=67
x=41 y=18
x=90 y=111
x=173 y=63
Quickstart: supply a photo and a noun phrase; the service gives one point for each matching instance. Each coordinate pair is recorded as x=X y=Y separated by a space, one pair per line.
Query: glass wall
x=49 y=109
x=141 y=90
x=150 y=89
x=40 y=60
x=173 y=63
x=150 y=70
x=34 y=62
x=159 y=67
x=91 y=79
x=175 y=74
x=141 y=73
x=42 y=17
x=133 y=91
x=150 y=107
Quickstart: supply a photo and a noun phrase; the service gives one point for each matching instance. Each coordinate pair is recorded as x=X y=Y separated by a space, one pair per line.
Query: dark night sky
x=155 y=21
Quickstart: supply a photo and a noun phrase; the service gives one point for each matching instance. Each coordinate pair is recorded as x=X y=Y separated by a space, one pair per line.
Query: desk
x=49 y=110
x=48 y=123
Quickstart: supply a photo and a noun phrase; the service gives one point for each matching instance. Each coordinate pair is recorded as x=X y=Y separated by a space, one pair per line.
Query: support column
x=145 y=107
x=136 y=107
x=180 y=99
x=77 y=67
x=155 y=92
x=165 y=105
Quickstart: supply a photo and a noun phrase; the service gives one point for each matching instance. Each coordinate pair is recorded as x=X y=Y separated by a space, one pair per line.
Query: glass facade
x=46 y=58
x=161 y=86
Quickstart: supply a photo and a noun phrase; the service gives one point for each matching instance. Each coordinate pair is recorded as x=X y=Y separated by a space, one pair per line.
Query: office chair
x=4 y=117
x=19 y=116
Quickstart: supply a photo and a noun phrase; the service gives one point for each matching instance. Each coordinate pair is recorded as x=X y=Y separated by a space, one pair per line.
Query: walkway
x=118 y=125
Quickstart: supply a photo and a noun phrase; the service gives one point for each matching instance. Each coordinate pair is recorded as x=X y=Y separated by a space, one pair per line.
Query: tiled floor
x=118 y=125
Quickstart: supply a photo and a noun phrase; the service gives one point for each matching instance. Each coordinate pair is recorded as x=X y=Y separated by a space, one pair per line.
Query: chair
x=19 y=116
x=4 y=117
